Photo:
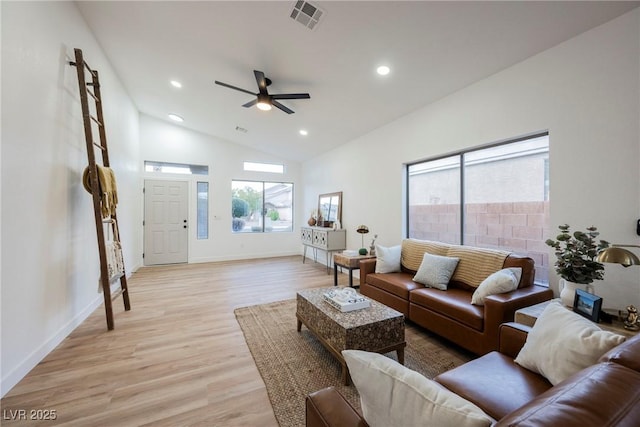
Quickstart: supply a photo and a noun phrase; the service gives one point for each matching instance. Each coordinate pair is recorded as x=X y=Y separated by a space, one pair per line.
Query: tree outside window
x=261 y=207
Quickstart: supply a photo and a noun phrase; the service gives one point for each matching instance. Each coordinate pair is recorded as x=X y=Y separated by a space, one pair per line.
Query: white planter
x=568 y=291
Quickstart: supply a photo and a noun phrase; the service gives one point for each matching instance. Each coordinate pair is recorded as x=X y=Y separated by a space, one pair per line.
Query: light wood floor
x=178 y=358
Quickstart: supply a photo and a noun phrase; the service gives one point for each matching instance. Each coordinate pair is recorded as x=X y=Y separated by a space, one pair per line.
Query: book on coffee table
x=354 y=303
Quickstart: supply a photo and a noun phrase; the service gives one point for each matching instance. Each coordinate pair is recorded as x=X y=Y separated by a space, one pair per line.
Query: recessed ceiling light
x=176 y=83
x=383 y=70
x=176 y=118
x=303 y=132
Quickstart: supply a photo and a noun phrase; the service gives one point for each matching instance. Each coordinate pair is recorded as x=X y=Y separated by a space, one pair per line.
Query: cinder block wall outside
x=520 y=227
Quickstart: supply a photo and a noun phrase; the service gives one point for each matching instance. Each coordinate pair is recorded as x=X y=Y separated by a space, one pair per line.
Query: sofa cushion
x=505 y=280
x=436 y=271
x=602 y=395
x=476 y=264
x=562 y=343
x=393 y=395
x=399 y=284
x=387 y=259
x=453 y=303
x=413 y=251
x=487 y=380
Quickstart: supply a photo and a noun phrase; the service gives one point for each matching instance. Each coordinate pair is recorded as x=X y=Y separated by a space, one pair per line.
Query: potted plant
x=576 y=259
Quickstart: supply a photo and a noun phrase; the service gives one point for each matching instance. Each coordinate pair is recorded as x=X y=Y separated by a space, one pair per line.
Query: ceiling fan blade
x=250 y=103
x=281 y=107
x=262 y=81
x=291 y=96
x=234 y=87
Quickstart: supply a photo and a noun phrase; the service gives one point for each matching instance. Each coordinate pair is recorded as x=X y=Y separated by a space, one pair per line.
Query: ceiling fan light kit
x=264 y=101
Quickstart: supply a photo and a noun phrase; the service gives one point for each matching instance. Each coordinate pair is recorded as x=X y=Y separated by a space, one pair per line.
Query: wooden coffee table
x=378 y=328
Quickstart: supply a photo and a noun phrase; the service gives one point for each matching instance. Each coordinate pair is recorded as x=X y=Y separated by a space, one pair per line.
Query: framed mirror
x=330 y=207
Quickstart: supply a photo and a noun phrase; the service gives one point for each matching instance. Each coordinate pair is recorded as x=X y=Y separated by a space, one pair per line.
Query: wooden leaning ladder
x=89 y=122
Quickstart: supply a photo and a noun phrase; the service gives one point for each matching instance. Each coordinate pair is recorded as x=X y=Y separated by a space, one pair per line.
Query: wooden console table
x=322 y=238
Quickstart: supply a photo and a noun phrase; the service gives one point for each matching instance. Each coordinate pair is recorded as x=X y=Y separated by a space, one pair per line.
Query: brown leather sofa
x=450 y=313
x=606 y=394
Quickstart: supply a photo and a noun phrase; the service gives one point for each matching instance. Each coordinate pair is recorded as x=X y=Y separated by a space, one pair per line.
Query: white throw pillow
x=393 y=395
x=505 y=280
x=436 y=271
x=388 y=259
x=562 y=343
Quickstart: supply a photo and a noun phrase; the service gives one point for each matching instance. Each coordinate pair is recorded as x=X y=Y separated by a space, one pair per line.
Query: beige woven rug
x=294 y=364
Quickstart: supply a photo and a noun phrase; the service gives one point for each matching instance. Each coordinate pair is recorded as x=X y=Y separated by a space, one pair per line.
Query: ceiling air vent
x=306 y=13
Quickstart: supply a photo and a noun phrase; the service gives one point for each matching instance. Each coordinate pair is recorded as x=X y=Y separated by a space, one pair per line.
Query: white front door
x=166 y=230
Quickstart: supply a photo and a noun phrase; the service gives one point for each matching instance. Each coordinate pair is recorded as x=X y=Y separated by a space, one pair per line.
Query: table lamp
x=616 y=254
x=363 y=229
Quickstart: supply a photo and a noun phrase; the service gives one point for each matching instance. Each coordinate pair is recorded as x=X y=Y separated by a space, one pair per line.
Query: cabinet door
x=306 y=236
x=336 y=240
x=320 y=238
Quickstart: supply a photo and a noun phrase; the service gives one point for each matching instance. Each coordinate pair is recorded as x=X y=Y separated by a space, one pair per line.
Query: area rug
x=294 y=364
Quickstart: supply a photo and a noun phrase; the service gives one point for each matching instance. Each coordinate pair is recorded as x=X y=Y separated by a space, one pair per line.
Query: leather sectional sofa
x=605 y=394
x=450 y=313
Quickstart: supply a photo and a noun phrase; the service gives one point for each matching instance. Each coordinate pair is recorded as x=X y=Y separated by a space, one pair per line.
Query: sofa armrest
x=367 y=266
x=512 y=338
x=327 y=407
x=501 y=308
x=528 y=268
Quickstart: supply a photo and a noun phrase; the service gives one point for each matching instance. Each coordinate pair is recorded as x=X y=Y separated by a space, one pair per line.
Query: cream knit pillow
x=562 y=343
x=393 y=395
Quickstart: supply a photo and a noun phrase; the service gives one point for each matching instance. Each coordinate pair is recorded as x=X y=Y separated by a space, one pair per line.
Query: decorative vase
x=568 y=291
x=311 y=221
x=362 y=251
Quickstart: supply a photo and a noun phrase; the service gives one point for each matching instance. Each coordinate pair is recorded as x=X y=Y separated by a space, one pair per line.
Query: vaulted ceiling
x=432 y=48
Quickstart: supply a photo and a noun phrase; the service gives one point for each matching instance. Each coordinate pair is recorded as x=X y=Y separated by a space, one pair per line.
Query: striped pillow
x=476 y=264
x=413 y=251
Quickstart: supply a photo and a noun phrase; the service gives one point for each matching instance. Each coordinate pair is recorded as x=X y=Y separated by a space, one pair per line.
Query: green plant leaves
x=576 y=253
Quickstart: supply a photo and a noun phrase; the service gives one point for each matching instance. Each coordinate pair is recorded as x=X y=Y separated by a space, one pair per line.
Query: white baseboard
x=240 y=257
x=17 y=374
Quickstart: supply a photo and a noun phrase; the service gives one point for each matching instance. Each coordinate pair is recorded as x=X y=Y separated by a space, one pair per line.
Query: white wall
x=49 y=249
x=585 y=92
x=163 y=141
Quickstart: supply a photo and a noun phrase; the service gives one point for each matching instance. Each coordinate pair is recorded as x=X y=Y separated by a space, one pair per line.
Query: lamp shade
x=617 y=255
x=363 y=229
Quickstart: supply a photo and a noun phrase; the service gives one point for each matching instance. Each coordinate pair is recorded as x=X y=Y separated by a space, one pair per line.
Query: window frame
x=275 y=168
x=199 y=231
x=264 y=214
x=179 y=168
x=461 y=165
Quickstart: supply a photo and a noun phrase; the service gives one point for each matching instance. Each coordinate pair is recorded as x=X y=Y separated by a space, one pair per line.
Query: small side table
x=350 y=263
x=529 y=315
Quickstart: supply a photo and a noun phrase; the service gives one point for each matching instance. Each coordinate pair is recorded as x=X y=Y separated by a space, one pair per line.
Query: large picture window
x=495 y=197
x=261 y=207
